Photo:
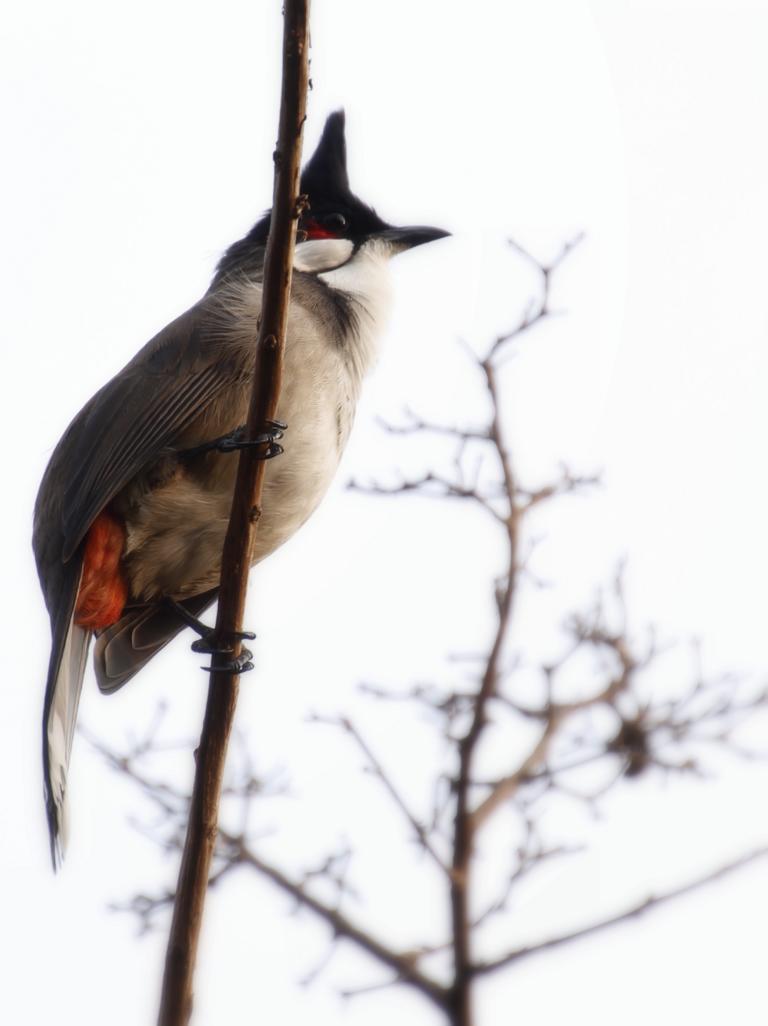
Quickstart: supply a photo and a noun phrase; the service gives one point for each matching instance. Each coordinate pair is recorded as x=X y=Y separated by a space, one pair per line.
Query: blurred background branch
x=523 y=739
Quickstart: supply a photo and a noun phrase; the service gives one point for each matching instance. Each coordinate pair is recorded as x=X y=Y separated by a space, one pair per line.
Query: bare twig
x=404 y=964
x=536 y=311
x=233 y=851
x=652 y=901
x=176 y=997
x=433 y=485
x=419 y=829
x=554 y=713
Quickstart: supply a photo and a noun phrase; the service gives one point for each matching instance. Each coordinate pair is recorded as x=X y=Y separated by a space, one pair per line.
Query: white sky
x=137 y=145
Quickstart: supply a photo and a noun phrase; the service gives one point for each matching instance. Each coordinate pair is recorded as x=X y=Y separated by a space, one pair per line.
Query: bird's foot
x=221 y=651
x=270 y=436
x=221 y=648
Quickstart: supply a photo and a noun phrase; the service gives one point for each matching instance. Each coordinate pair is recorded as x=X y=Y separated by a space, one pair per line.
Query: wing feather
x=139 y=413
x=133 y=418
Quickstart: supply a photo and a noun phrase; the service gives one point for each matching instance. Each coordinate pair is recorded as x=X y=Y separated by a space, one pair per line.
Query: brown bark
x=176 y=998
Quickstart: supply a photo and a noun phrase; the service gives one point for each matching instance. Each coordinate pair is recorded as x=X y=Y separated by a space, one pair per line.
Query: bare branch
x=432 y=486
x=402 y=964
x=651 y=902
x=421 y=832
x=566 y=484
x=505 y=788
x=416 y=425
x=233 y=851
x=463 y=828
x=535 y=312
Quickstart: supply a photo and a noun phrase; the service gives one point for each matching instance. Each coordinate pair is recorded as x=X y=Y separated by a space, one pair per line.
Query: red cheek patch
x=103 y=589
x=315 y=230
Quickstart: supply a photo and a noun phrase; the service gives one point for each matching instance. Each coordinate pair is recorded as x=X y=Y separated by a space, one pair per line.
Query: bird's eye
x=336 y=223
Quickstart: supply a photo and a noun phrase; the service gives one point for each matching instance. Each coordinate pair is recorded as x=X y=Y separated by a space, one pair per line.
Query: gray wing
x=139 y=413
x=126 y=425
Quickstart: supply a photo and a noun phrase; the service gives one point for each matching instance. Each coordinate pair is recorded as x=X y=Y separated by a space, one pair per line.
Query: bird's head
x=333 y=211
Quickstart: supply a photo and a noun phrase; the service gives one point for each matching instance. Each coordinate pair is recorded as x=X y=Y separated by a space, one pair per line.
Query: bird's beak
x=401 y=239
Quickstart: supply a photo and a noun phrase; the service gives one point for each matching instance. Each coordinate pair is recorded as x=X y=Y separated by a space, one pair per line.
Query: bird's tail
x=62 y=697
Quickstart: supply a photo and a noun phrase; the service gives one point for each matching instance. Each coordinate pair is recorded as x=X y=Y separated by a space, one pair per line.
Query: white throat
x=366 y=282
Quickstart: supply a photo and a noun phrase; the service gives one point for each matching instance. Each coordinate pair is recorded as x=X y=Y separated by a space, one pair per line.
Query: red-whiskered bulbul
x=134 y=504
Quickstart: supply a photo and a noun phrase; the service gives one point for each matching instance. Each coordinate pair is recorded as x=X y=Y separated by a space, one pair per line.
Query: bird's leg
x=210 y=644
x=270 y=436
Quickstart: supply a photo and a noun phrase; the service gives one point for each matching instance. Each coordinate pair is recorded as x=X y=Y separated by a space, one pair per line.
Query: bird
x=134 y=504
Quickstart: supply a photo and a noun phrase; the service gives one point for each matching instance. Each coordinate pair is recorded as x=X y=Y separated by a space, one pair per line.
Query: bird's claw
x=223 y=660
x=234 y=440
x=237 y=664
x=209 y=644
x=219 y=647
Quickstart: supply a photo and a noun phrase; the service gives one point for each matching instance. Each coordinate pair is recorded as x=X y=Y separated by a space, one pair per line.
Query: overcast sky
x=137 y=144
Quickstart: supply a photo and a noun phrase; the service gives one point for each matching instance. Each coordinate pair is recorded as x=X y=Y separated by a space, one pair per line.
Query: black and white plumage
x=121 y=469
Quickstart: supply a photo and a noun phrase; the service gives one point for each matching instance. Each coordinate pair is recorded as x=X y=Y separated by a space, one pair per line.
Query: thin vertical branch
x=463 y=824
x=176 y=998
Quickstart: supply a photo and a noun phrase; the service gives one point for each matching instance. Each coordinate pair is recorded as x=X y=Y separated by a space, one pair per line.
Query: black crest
x=326 y=173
